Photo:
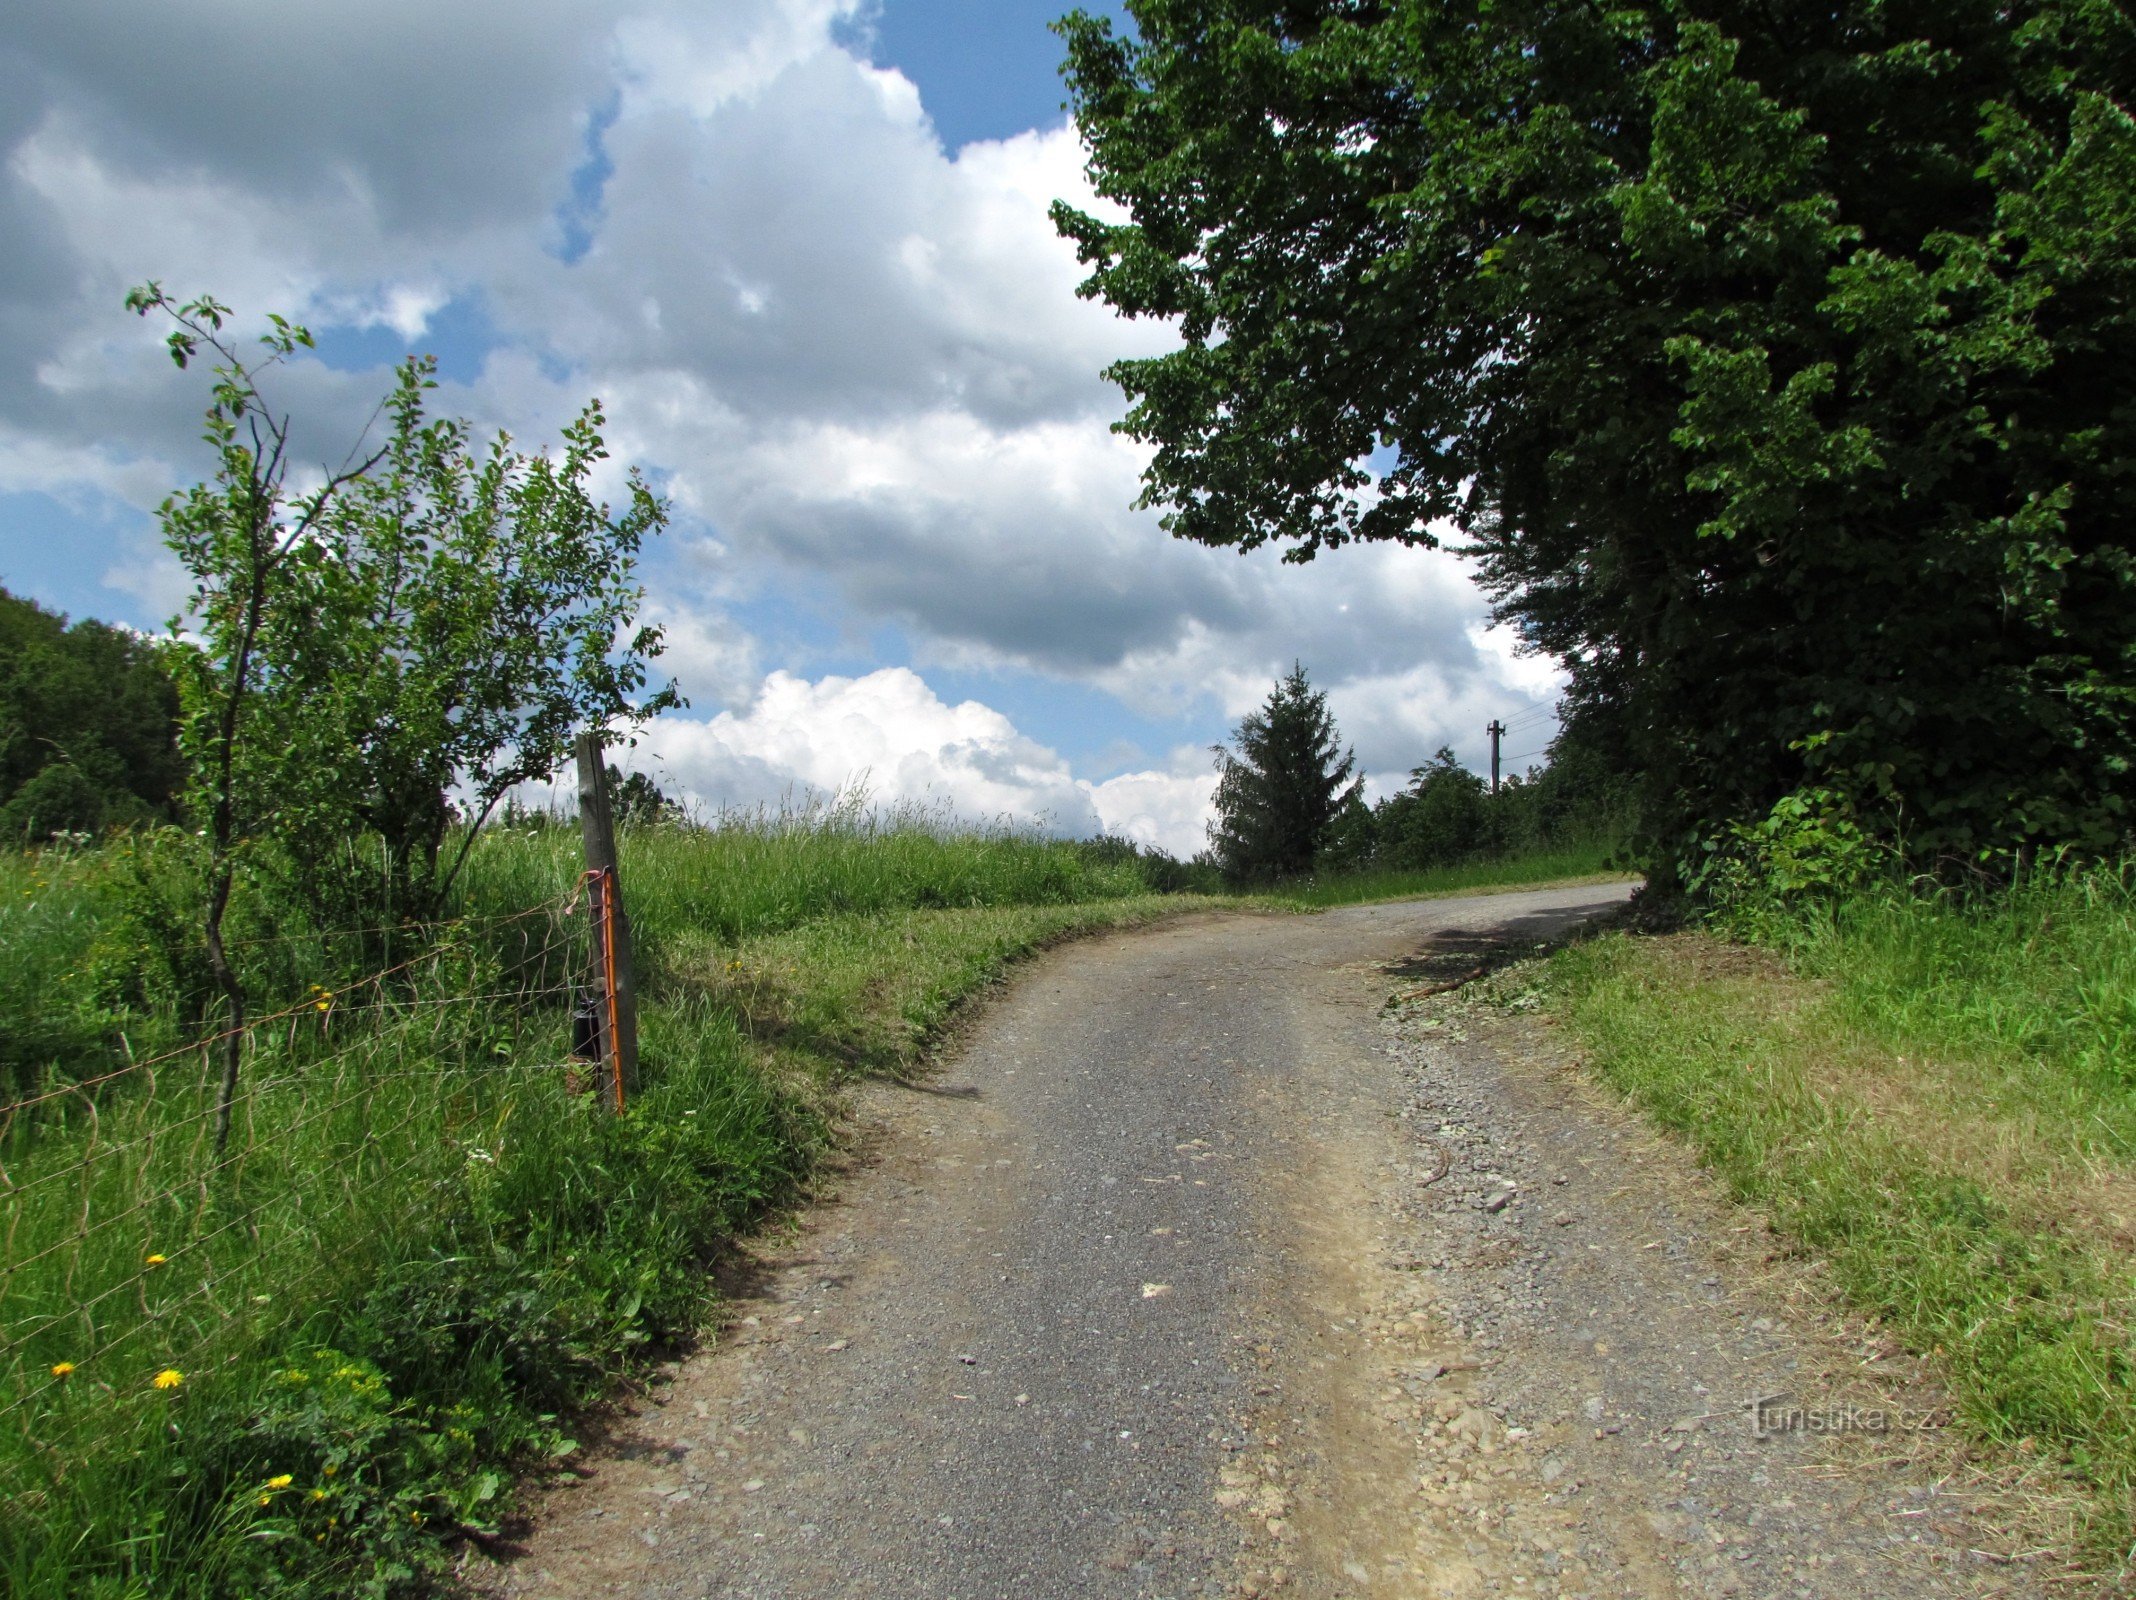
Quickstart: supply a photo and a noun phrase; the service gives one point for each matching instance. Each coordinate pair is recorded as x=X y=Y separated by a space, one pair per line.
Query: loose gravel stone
x=1200 y=1273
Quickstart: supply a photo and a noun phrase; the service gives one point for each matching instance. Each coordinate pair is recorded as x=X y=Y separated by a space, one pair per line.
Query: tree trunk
x=234 y=993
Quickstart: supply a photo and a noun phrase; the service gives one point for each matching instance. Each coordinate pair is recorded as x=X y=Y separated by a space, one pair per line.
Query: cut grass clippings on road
x=1935 y=1099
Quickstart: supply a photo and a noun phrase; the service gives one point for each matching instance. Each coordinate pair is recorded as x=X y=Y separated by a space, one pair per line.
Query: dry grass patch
x=1961 y=1198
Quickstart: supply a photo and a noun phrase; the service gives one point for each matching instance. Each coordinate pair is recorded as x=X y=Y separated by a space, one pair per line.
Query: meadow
x=291 y=1368
x=315 y=1362
x=1594 y=861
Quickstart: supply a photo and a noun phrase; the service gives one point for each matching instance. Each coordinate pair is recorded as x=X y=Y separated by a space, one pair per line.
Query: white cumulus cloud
x=855 y=359
x=1171 y=810
x=886 y=732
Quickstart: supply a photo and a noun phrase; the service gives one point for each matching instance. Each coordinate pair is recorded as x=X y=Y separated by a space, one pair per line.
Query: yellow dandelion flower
x=281 y=1480
x=324 y=1005
x=63 y=1370
x=168 y=1378
x=154 y=1261
x=318 y=1494
x=266 y=1499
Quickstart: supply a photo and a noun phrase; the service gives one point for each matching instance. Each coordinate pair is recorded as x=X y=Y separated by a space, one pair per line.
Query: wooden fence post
x=619 y=1026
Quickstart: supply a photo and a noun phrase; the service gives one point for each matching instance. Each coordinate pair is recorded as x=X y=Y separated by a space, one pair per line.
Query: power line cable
x=1531 y=716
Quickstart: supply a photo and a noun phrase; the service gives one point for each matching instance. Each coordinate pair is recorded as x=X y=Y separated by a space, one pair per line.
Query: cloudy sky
x=799 y=249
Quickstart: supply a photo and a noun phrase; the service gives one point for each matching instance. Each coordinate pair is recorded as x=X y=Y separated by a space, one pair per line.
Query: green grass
x=1561 y=865
x=1938 y=1097
x=433 y=1215
x=776 y=872
x=2035 y=989
x=427 y=1252
x=872 y=995
x=56 y=909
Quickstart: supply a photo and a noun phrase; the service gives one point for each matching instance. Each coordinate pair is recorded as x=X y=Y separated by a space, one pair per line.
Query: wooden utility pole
x=619 y=1023
x=1497 y=732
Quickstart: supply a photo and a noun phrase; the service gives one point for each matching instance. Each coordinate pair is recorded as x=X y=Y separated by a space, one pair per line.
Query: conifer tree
x=1277 y=796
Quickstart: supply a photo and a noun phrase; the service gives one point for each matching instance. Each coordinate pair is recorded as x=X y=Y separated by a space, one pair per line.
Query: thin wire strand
x=1524 y=720
x=365 y=1090
x=125 y=1164
x=192 y=1248
x=446 y=925
x=251 y=1026
x=251 y=1098
x=204 y=1289
x=89 y=1230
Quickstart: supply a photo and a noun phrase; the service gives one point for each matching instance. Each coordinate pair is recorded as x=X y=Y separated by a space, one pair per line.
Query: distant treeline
x=88 y=720
x=1290 y=803
x=1447 y=815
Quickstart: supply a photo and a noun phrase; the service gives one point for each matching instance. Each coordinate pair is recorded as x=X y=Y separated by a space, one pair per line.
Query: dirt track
x=1195 y=1274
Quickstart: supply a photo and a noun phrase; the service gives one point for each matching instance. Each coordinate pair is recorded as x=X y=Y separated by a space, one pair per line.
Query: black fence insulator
x=586 y=1027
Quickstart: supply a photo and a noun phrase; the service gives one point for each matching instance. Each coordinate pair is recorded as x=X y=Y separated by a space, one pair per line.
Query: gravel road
x=1198 y=1271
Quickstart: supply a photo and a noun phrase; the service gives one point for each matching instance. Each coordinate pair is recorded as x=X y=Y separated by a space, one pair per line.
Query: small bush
x=1764 y=880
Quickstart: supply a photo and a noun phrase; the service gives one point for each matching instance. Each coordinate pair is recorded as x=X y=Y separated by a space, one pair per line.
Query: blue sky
x=985 y=68
x=799 y=248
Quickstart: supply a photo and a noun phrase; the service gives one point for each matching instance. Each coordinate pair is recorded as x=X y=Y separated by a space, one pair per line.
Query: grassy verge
x=870 y=996
x=426 y=1251
x=1569 y=865
x=1939 y=1099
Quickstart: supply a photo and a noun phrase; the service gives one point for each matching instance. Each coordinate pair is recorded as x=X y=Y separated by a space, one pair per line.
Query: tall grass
x=416 y=1215
x=764 y=872
x=423 y=1250
x=2034 y=985
x=56 y=910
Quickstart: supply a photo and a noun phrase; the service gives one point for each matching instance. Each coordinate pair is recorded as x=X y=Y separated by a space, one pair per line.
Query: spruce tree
x=1277 y=796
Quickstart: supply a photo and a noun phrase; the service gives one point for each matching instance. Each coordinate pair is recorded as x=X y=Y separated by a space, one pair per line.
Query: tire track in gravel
x=1144 y=1297
x=1516 y=1347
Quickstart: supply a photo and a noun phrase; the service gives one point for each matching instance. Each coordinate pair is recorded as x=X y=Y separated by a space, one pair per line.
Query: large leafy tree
x=1777 y=362
x=1280 y=793
x=87 y=725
